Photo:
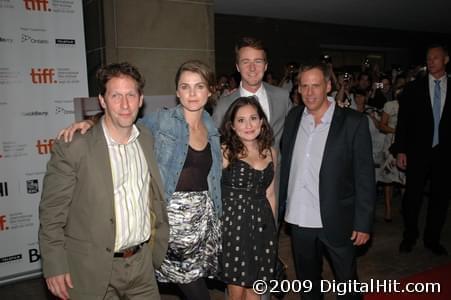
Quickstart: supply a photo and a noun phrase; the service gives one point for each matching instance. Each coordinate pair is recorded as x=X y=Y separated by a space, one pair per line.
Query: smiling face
x=252 y=66
x=193 y=91
x=121 y=103
x=314 y=88
x=247 y=123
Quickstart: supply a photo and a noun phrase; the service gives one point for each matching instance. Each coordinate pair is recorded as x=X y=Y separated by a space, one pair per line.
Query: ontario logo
x=27 y=38
x=61 y=110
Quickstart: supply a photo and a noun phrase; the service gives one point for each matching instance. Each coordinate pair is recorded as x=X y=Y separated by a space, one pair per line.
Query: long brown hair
x=233 y=147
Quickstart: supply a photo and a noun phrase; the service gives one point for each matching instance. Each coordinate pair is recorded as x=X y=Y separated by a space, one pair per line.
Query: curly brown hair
x=233 y=147
x=106 y=73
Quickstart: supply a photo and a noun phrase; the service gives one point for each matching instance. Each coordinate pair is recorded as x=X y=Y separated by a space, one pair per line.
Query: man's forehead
x=249 y=52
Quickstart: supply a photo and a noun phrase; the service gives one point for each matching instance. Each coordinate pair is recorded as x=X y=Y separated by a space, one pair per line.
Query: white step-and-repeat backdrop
x=42 y=68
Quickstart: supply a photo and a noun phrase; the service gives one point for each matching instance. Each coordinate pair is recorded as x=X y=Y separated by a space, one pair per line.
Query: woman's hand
x=68 y=133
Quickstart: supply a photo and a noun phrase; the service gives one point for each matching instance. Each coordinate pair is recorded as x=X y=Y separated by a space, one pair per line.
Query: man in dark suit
x=423 y=145
x=103 y=221
x=327 y=184
x=251 y=62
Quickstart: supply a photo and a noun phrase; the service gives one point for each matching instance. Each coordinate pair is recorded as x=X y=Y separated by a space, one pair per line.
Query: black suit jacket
x=346 y=181
x=415 y=129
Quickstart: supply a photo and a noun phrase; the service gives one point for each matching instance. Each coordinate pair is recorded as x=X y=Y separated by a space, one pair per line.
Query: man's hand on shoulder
x=58 y=285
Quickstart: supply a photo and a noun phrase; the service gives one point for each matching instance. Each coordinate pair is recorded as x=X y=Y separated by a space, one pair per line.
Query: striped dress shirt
x=131 y=180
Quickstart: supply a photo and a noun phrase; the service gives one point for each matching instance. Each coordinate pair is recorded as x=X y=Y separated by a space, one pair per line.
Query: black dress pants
x=309 y=247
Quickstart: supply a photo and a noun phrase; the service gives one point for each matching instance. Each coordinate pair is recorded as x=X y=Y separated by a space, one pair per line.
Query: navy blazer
x=415 y=129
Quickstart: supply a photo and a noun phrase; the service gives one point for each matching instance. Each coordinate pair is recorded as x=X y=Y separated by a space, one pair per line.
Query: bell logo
x=3 y=224
x=39 y=5
x=3 y=189
x=45 y=146
x=42 y=76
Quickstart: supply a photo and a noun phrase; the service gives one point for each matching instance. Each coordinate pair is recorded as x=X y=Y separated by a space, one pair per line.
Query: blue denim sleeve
x=150 y=121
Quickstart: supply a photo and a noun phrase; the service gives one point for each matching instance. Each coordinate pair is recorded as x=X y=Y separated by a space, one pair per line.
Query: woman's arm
x=383 y=124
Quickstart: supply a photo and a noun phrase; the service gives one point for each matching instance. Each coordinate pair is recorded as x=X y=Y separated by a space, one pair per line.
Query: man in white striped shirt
x=103 y=218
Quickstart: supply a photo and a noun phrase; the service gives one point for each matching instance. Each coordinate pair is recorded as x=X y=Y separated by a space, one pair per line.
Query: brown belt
x=129 y=251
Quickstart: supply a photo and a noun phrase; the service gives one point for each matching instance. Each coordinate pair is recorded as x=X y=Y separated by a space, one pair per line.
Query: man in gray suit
x=251 y=62
x=103 y=221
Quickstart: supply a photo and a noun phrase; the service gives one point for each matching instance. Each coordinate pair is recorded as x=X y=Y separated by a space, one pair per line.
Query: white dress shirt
x=261 y=95
x=303 y=203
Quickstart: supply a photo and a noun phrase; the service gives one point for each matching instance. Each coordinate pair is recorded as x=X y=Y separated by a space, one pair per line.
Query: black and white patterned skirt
x=194 y=239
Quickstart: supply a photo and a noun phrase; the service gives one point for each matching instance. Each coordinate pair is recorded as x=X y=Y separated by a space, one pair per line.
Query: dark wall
x=304 y=42
x=94 y=40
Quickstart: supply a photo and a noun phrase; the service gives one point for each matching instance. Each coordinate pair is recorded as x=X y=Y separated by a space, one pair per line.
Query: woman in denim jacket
x=188 y=153
x=189 y=158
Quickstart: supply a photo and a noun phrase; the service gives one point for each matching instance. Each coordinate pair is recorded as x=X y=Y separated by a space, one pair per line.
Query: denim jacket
x=170 y=132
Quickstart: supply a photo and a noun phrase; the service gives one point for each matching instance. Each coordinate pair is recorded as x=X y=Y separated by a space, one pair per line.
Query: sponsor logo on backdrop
x=37 y=5
x=44 y=146
x=35 y=113
x=66 y=42
x=32 y=186
x=16 y=221
x=61 y=110
x=3 y=223
x=5 y=40
x=53 y=76
x=10 y=258
x=13 y=149
x=42 y=75
x=29 y=39
x=58 y=6
x=33 y=255
x=3 y=189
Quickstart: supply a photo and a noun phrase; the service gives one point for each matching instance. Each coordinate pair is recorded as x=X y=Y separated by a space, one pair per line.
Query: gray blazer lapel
x=101 y=165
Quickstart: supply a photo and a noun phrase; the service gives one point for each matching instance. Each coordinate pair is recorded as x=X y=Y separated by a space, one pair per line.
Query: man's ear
x=102 y=101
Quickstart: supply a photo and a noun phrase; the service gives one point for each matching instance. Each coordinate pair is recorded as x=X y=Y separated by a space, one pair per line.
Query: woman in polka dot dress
x=249 y=246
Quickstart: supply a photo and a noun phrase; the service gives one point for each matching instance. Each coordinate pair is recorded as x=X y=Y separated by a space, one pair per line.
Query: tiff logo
x=45 y=146
x=40 y=5
x=40 y=76
x=3 y=223
x=3 y=189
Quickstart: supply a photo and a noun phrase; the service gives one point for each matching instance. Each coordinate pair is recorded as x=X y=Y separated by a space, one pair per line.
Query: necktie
x=436 y=110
